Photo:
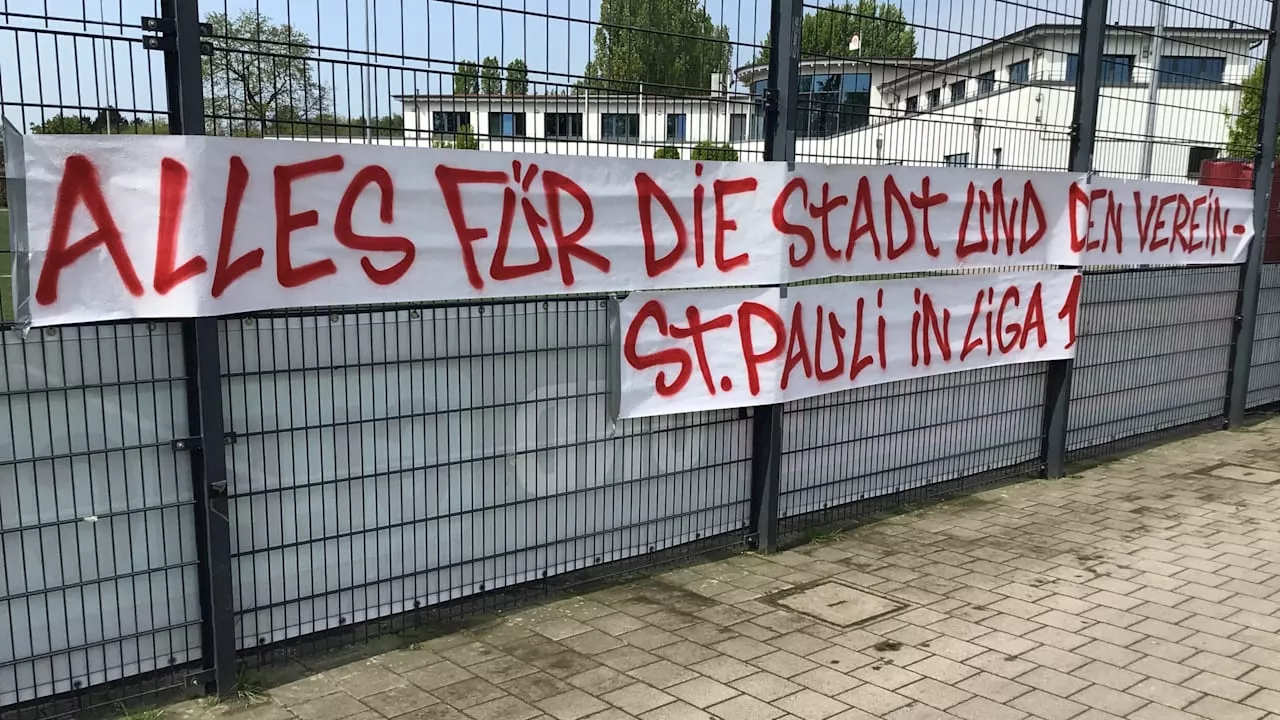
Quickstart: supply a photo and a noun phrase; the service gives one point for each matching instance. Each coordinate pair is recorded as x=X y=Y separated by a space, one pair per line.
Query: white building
x=1007 y=103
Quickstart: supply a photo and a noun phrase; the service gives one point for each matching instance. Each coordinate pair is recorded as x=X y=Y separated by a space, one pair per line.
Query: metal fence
x=1155 y=353
x=1264 y=373
x=178 y=497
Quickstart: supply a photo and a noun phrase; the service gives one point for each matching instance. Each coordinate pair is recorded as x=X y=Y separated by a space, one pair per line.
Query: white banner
x=1160 y=223
x=709 y=349
x=184 y=226
x=145 y=226
x=840 y=220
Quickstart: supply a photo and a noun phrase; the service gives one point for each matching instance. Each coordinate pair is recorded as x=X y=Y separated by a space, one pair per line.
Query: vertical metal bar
x=183 y=82
x=1084 y=124
x=1084 y=120
x=766 y=466
x=1153 y=90
x=784 y=76
x=780 y=107
x=1251 y=275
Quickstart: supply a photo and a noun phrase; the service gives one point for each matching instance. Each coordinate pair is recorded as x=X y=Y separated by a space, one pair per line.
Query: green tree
x=64 y=125
x=881 y=28
x=466 y=81
x=260 y=73
x=491 y=77
x=711 y=152
x=388 y=126
x=671 y=46
x=148 y=127
x=288 y=122
x=1242 y=129
x=666 y=153
x=326 y=125
x=466 y=139
x=517 y=78
x=107 y=117
x=142 y=127
x=109 y=121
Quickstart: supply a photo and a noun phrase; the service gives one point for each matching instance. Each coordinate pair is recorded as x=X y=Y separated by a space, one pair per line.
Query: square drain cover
x=1247 y=474
x=838 y=604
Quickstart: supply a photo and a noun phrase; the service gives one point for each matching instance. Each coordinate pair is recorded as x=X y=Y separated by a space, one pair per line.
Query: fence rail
x=179 y=497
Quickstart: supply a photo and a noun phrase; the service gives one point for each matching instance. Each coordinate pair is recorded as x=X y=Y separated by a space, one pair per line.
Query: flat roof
x=1021 y=37
x=918 y=66
x=593 y=96
x=1015 y=38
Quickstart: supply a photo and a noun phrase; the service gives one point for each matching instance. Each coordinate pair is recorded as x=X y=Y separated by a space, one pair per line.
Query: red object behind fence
x=1239 y=174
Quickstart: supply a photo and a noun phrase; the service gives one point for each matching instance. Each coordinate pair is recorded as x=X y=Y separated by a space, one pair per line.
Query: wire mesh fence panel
x=612 y=78
x=97 y=530
x=96 y=521
x=75 y=68
x=402 y=459
x=1178 y=81
x=906 y=436
x=913 y=83
x=395 y=464
x=919 y=83
x=393 y=460
x=1264 y=371
x=1154 y=352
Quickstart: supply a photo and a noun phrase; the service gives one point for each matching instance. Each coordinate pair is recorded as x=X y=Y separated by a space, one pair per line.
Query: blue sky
x=46 y=64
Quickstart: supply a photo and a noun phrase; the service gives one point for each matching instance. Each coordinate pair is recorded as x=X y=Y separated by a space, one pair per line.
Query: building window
x=563 y=126
x=448 y=121
x=1185 y=70
x=1116 y=69
x=676 y=127
x=935 y=98
x=997 y=155
x=737 y=127
x=987 y=82
x=1196 y=158
x=1020 y=72
x=957 y=160
x=821 y=83
x=506 y=124
x=855 y=101
x=957 y=90
x=913 y=104
x=620 y=127
x=833 y=103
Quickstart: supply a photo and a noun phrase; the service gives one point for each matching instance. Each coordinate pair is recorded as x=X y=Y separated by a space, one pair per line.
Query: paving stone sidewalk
x=1145 y=588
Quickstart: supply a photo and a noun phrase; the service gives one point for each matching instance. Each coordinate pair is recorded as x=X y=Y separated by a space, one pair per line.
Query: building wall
x=1030 y=126
x=918 y=85
x=1235 y=49
x=1048 y=64
x=880 y=73
x=1027 y=124
x=706 y=119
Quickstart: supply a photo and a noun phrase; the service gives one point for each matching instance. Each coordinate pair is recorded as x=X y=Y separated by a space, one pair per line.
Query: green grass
x=826 y=537
x=140 y=714
x=249 y=687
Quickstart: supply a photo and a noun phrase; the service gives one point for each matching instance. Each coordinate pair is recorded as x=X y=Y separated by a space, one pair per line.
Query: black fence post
x=180 y=39
x=1084 y=125
x=779 y=146
x=1251 y=274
